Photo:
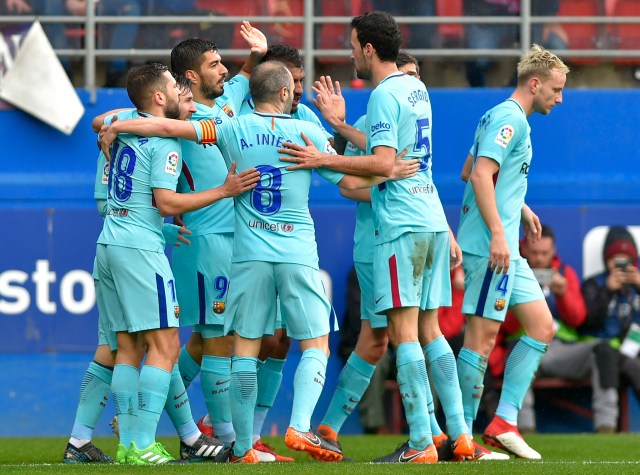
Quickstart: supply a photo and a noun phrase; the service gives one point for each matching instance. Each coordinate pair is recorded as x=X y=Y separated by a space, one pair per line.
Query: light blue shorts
x=487 y=294
x=105 y=335
x=252 y=300
x=138 y=289
x=202 y=270
x=412 y=271
x=364 y=271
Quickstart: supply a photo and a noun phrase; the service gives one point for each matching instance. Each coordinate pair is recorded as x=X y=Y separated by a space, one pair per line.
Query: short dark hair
x=546 y=231
x=143 y=81
x=405 y=58
x=286 y=54
x=267 y=79
x=381 y=30
x=188 y=54
x=184 y=83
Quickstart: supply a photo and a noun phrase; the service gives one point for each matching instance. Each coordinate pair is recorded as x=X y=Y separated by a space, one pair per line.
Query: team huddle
x=232 y=163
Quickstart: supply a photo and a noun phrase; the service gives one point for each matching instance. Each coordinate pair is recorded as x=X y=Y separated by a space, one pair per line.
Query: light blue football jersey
x=204 y=167
x=502 y=135
x=302 y=113
x=102 y=168
x=363 y=237
x=139 y=164
x=273 y=223
x=399 y=116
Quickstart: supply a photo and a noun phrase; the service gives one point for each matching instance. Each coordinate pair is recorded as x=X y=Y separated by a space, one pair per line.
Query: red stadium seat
x=286 y=33
x=627 y=35
x=581 y=35
x=450 y=33
x=335 y=35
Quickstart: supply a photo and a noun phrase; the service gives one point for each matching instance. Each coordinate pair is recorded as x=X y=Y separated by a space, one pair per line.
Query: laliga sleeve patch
x=504 y=136
x=105 y=174
x=329 y=149
x=171 y=165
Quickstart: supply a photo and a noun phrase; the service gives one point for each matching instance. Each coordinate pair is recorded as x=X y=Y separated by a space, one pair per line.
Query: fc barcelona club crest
x=218 y=307
x=176 y=311
x=499 y=305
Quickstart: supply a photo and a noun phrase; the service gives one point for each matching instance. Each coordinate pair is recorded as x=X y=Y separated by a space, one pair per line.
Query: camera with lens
x=621 y=262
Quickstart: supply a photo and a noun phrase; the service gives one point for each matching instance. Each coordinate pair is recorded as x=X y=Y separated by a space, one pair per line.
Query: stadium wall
x=584 y=174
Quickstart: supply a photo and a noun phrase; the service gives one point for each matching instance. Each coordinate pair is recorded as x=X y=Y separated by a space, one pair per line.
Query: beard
x=295 y=103
x=172 y=111
x=211 y=92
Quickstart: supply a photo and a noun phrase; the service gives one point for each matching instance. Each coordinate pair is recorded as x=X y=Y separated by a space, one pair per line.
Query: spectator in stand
x=613 y=305
x=419 y=35
x=487 y=36
x=549 y=35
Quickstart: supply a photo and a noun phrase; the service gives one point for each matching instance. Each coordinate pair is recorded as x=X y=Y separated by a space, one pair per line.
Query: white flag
x=37 y=84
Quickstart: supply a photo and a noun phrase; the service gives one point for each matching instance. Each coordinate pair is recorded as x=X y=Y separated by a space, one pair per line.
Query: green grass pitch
x=562 y=454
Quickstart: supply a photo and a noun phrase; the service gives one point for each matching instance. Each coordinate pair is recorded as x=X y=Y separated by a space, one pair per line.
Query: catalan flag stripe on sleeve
x=208 y=131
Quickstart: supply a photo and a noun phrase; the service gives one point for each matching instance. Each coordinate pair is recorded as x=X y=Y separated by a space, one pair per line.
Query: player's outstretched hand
x=329 y=100
x=255 y=38
x=499 y=254
x=305 y=157
x=238 y=183
x=404 y=168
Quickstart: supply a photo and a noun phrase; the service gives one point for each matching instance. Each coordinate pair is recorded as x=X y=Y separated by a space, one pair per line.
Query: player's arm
x=151 y=127
x=482 y=181
x=170 y=203
x=466 y=168
x=308 y=157
x=401 y=169
x=258 y=44
x=98 y=121
x=360 y=195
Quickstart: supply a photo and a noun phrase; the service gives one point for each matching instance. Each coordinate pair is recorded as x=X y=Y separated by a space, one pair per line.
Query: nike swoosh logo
x=403 y=458
x=320 y=374
x=218 y=383
x=351 y=399
x=378 y=300
x=312 y=438
x=179 y=395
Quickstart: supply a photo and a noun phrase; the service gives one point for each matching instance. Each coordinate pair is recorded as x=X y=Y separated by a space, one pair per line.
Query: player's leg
x=436 y=293
x=356 y=374
x=273 y=353
x=354 y=378
x=308 y=312
x=190 y=358
x=94 y=391
x=530 y=307
x=146 y=290
x=397 y=292
x=245 y=297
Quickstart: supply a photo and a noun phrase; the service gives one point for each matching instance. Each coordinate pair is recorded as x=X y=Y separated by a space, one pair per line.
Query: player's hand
x=255 y=39
x=329 y=100
x=499 y=254
x=305 y=157
x=455 y=253
x=404 y=168
x=106 y=137
x=182 y=233
x=178 y=221
x=531 y=224
x=238 y=183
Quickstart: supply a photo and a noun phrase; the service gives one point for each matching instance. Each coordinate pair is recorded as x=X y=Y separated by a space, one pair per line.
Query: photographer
x=613 y=303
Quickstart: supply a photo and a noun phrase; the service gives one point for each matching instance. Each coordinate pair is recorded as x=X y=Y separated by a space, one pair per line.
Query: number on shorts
x=502 y=285
x=221 y=284
x=266 y=197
